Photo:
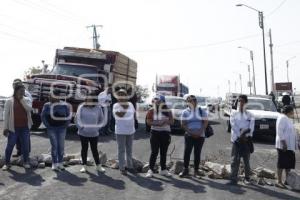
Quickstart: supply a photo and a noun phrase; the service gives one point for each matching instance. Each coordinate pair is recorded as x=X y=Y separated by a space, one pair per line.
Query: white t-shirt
x=285 y=130
x=104 y=99
x=124 y=125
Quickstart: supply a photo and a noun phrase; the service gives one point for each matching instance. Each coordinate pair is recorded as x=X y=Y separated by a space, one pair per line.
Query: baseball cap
x=160 y=97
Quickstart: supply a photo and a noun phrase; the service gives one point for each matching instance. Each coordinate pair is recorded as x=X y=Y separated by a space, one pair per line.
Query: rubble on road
x=265 y=173
x=177 y=167
x=293 y=180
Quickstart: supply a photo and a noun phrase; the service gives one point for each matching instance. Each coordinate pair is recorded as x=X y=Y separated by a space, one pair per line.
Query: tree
x=34 y=70
x=142 y=93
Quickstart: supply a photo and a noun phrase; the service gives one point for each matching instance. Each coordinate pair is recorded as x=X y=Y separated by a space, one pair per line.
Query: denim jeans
x=125 y=146
x=21 y=134
x=57 y=140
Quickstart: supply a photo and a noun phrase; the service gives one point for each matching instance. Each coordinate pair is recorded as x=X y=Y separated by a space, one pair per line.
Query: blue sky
x=197 y=39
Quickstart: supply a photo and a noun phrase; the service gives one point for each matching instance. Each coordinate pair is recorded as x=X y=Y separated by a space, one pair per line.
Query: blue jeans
x=57 y=140
x=21 y=134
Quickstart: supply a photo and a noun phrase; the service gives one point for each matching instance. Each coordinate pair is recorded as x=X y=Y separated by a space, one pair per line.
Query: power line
x=196 y=46
x=40 y=8
x=277 y=8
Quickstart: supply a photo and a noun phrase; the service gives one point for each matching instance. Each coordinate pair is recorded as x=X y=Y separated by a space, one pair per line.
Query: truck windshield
x=76 y=70
x=261 y=104
x=176 y=103
x=201 y=101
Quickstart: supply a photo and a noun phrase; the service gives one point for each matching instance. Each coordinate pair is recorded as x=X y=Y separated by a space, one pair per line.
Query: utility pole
x=253 y=72
x=229 y=86
x=241 y=83
x=287 y=71
x=249 y=79
x=96 y=44
x=261 y=25
x=272 y=62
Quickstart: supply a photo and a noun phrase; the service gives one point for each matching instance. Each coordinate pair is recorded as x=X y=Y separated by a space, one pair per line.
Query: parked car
x=265 y=113
x=176 y=105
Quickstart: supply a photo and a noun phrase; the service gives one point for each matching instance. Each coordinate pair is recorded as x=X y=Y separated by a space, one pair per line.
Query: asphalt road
x=71 y=184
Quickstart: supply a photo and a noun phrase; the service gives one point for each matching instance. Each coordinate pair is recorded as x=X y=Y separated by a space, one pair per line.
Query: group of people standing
x=93 y=117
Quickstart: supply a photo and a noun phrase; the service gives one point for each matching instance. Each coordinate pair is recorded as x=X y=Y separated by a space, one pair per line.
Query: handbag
x=250 y=145
x=209 y=131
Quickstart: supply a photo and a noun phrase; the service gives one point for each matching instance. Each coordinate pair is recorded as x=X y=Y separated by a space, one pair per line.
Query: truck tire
x=36 y=120
x=228 y=126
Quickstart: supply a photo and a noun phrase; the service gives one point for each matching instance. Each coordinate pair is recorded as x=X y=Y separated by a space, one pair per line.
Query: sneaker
x=54 y=167
x=123 y=172
x=83 y=169
x=60 y=166
x=100 y=168
x=149 y=174
x=165 y=173
x=6 y=167
x=247 y=181
x=26 y=166
x=184 y=173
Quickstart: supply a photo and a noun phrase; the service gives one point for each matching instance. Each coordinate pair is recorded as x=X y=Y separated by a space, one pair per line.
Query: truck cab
x=78 y=71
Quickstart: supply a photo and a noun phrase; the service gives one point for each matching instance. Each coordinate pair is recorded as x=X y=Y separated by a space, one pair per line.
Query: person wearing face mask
x=89 y=119
x=124 y=114
x=56 y=118
x=242 y=123
x=159 y=118
x=17 y=122
x=194 y=124
x=286 y=144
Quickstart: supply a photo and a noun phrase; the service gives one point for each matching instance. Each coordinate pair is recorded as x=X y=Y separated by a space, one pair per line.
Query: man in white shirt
x=105 y=100
x=286 y=143
x=242 y=127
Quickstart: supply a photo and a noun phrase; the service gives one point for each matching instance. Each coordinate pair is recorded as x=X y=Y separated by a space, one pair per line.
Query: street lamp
x=261 y=25
x=253 y=72
x=249 y=82
x=287 y=67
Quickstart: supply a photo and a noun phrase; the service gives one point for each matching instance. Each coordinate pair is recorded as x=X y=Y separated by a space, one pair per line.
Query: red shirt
x=20 y=115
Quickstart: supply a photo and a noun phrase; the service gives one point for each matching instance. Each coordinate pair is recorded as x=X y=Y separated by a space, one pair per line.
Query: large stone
x=146 y=167
x=47 y=159
x=293 y=180
x=138 y=165
x=214 y=175
x=41 y=165
x=177 y=167
x=215 y=167
x=89 y=162
x=103 y=158
x=113 y=164
x=68 y=157
x=17 y=162
x=226 y=171
x=34 y=162
x=265 y=173
x=170 y=165
x=75 y=161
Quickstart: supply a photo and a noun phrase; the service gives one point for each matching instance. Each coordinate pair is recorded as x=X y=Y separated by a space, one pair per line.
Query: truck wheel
x=228 y=126
x=36 y=120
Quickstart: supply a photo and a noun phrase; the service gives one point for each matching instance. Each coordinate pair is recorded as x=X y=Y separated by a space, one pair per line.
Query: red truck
x=170 y=86
x=77 y=71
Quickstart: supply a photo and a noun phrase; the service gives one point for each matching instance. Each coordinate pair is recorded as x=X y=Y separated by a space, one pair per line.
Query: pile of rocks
x=45 y=160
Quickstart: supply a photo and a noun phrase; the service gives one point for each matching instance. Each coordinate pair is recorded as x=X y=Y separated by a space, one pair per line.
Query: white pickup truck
x=265 y=113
